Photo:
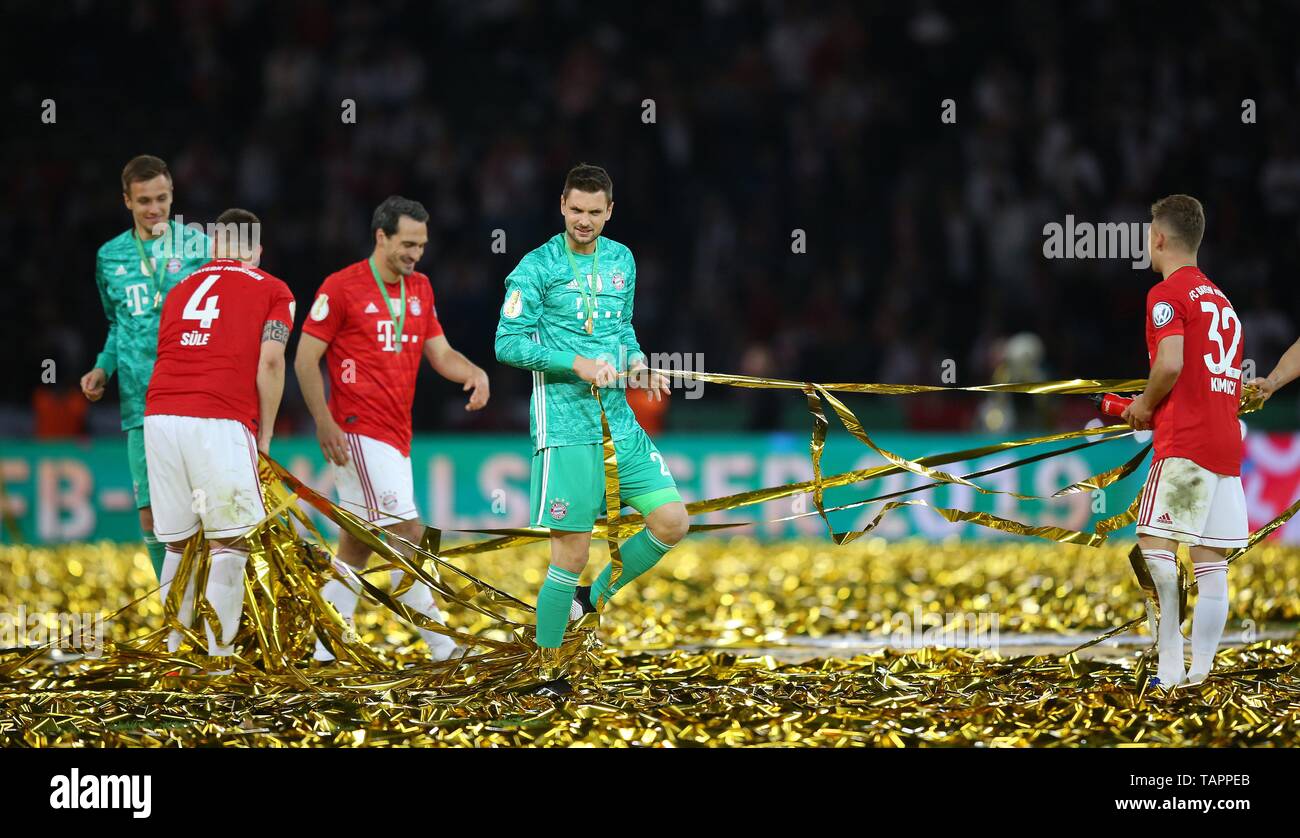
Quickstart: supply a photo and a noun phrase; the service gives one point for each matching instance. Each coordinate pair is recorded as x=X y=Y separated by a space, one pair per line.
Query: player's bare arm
x=306 y=365
x=270 y=380
x=1165 y=369
x=1286 y=371
x=454 y=366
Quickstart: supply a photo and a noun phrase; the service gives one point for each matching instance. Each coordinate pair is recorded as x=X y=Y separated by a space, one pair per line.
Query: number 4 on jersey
x=209 y=311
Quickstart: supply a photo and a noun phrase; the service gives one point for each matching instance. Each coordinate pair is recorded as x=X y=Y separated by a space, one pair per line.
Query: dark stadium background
x=924 y=240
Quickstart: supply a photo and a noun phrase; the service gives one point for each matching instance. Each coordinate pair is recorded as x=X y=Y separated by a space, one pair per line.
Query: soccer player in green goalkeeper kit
x=567 y=317
x=134 y=271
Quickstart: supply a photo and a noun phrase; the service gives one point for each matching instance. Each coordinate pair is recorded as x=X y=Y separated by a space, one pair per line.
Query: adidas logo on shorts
x=1164 y=519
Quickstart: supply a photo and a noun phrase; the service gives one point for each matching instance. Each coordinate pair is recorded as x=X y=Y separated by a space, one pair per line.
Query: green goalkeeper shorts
x=567 y=490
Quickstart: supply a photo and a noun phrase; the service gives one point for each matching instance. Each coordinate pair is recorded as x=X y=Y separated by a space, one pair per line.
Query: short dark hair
x=143 y=167
x=588 y=178
x=235 y=215
x=1182 y=217
x=228 y=236
x=391 y=211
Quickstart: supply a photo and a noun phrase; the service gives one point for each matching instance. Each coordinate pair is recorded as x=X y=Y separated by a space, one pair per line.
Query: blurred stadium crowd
x=924 y=239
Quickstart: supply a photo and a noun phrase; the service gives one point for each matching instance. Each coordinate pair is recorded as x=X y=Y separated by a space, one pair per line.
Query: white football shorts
x=376 y=484
x=1184 y=502
x=202 y=472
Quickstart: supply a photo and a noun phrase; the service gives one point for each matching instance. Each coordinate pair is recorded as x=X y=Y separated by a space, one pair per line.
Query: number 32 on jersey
x=1222 y=366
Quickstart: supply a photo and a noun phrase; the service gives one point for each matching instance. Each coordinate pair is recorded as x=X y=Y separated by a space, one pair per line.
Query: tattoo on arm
x=275 y=330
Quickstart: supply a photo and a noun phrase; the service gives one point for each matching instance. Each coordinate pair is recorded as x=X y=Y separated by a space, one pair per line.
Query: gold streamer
x=708 y=654
x=285 y=610
x=1073 y=386
x=1093 y=483
x=613 y=497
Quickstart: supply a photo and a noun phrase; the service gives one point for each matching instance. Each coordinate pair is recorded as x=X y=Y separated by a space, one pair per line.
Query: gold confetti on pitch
x=712 y=648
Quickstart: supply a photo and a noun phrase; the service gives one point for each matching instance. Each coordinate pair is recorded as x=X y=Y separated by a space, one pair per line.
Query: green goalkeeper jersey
x=132 y=296
x=543 y=328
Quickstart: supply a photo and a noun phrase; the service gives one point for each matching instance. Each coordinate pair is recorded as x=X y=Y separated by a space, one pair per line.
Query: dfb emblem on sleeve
x=321 y=308
x=1161 y=314
x=514 y=305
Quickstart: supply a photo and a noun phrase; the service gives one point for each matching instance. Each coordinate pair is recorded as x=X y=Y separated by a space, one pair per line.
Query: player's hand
x=1263 y=385
x=93 y=383
x=264 y=444
x=655 y=383
x=333 y=443
x=600 y=373
x=477 y=387
x=1138 y=414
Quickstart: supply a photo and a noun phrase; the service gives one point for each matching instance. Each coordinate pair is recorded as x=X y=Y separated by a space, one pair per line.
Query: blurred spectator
x=730 y=130
x=649 y=410
x=59 y=411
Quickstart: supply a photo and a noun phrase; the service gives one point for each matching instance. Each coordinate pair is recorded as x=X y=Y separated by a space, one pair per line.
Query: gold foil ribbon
x=613 y=497
x=284 y=610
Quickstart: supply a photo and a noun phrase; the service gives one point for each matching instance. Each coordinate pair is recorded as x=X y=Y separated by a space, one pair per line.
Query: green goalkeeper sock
x=553 y=603
x=640 y=553
x=157 y=553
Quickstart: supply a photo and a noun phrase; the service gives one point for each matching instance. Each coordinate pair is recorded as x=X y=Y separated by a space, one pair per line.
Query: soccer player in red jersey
x=210 y=408
x=1193 y=493
x=372 y=321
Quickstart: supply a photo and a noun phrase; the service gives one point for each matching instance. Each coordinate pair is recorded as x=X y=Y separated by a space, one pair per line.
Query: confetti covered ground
x=728 y=642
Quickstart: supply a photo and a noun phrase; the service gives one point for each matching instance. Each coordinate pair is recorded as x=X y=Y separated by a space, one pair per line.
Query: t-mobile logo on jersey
x=387 y=335
x=136 y=294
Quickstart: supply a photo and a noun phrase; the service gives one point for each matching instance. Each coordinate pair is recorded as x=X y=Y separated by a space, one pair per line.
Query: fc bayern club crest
x=617 y=279
x=559 y=509
x=414 y=304
x=388 y=500
x=173 y=266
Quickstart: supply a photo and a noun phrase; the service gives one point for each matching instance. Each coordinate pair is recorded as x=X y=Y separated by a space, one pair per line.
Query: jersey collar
x=1180 y=270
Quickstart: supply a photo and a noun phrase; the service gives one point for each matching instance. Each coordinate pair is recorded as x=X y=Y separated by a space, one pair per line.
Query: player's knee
x=670 y=523
x=412 y=530
x=1153 y=542
x=1201 y=554
x=570 y=550
x=351 y=551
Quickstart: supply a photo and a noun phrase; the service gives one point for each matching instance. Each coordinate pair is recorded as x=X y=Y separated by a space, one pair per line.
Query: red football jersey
x=372 y=384
x=1198 y=419
x=210 y=339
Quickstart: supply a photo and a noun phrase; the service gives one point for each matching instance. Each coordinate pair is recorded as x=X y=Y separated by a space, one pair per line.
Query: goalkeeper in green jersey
x=134 y=272
x=568 y=317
